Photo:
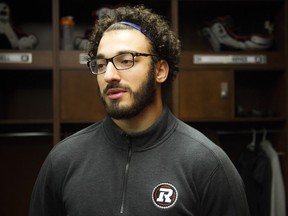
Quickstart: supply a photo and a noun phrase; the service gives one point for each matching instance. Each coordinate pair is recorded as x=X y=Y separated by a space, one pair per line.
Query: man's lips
x=115 y=93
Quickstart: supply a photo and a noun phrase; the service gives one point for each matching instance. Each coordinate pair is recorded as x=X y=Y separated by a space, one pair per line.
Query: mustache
x=117 y=85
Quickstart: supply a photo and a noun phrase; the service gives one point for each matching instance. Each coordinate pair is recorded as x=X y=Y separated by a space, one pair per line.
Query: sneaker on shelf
x=221 y=35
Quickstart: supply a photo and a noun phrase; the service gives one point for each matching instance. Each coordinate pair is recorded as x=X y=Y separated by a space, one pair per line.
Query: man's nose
x=111 y=74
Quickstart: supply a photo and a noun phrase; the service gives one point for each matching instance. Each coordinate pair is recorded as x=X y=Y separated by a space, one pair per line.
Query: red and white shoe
x=220 y=34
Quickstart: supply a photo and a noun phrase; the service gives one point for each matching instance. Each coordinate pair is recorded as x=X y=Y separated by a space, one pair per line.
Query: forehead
x=116 y=41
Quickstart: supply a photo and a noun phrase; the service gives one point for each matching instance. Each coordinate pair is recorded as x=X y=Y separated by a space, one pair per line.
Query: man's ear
x=162 y=71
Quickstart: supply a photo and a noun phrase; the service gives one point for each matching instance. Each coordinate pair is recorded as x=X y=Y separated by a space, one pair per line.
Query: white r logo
x=164 y=195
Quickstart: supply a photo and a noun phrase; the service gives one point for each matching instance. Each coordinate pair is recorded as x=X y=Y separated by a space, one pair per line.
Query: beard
x=141 y=98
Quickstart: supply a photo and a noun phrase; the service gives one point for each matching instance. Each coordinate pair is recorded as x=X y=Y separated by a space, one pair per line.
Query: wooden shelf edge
x=41 y=60
x=236 y=120
x=73 y=59
x=26 y=121
x=275 y=61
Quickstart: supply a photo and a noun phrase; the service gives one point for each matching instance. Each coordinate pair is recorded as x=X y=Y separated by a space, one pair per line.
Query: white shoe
x=219 y=34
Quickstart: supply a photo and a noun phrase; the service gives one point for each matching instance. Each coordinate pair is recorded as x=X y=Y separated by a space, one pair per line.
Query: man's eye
x=100 y=66
x=126 y=61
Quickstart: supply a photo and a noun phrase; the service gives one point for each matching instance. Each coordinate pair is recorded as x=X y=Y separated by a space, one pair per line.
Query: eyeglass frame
x=134 y=54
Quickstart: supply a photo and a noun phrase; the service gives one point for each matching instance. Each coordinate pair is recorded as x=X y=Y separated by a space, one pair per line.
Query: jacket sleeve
x=224 y=193
x=45 y=199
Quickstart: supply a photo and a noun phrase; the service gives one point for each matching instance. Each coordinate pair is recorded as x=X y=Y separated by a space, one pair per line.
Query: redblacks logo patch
x=164 y=195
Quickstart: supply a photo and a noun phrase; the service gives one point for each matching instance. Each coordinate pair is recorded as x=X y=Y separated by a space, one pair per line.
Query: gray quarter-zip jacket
x=170 y=169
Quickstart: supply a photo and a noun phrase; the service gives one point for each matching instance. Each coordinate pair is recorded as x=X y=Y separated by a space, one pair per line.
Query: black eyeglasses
x=121 y=62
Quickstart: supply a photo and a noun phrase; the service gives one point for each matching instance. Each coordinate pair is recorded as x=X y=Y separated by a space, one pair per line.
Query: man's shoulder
x=197 y=142
x=86 y=131
x=80 y=139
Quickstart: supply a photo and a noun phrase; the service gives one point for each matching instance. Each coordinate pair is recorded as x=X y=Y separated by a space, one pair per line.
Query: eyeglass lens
x=120 y=62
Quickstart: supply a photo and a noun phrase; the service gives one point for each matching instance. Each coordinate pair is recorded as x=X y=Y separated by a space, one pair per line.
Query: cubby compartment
x=29 y=18
x=260 y=94
x=243 y=18
x=20 y=161
x=26 y=95
x=84 y=19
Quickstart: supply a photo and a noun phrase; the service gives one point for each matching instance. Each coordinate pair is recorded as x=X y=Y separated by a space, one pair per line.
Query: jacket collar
x=143 y=140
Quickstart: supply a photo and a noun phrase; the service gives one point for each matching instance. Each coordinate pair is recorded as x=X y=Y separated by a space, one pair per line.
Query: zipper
x=125 y=182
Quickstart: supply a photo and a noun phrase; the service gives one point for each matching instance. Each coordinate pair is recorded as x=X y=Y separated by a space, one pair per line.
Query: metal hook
x=252 y=145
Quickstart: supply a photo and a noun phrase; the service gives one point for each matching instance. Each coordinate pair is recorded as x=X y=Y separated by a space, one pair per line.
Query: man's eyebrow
x=101 y=56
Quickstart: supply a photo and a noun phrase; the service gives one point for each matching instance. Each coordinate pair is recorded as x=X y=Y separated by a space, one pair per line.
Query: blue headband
x=139 y=28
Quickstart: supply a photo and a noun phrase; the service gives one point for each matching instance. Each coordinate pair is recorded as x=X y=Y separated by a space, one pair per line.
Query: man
x=140 y=160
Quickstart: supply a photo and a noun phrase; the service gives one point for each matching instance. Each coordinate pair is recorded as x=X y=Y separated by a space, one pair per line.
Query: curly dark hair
x=166 y=45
